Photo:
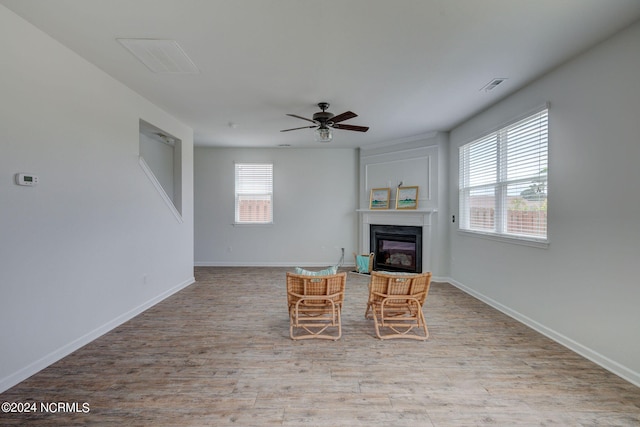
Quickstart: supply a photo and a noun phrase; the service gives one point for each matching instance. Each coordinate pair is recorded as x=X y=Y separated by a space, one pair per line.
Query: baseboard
x=288 y=264
x=35 y=367
x=597 y=358
x=268 y=264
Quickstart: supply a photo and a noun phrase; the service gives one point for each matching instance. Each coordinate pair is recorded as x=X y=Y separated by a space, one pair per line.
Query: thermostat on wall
x=26 y=179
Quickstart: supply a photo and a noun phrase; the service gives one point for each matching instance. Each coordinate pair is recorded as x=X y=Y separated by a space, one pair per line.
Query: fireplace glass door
x=397 y=248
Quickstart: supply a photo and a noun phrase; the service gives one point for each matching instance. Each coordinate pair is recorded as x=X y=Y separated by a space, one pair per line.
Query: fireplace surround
x=418 y=218
x=396 y=247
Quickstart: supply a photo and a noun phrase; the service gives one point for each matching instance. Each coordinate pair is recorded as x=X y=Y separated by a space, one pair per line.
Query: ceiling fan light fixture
x=323 y=134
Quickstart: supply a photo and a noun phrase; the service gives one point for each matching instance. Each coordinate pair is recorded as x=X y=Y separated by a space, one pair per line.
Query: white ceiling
x=406 y=67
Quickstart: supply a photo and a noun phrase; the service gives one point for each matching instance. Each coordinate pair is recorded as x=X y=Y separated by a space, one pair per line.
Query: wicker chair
x=315 y=305
x=395 y=304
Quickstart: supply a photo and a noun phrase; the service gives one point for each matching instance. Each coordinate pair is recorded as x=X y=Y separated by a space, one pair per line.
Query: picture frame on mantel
x=379 y=198
x=407 y=197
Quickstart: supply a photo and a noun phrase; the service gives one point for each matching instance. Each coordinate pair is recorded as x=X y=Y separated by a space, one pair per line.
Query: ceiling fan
x=325 y=121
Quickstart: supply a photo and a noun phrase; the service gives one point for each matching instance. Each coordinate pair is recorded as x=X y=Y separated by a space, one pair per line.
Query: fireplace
x=396 y=248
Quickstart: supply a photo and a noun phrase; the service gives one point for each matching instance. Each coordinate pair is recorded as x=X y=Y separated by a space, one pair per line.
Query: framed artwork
x=407 y=198
x=379 y=198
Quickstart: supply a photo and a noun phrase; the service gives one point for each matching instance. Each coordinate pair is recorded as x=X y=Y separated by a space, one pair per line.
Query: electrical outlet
x=453 y=218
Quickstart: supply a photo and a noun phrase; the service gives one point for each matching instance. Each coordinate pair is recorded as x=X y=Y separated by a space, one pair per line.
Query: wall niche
x=160 y=158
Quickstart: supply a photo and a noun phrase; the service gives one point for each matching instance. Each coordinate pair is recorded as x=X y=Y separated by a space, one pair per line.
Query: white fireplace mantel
x=414 y=217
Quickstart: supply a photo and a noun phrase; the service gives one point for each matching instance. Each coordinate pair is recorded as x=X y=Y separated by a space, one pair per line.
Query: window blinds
x=503 y=180
x=254 y=193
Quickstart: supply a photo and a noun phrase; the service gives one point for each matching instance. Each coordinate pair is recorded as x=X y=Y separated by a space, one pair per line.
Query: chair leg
x=404 y=327
x=367 y=313
x=315 y=330
x=424 y=324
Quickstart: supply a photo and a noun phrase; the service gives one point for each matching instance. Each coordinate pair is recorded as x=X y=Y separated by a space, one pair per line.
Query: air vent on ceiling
x=160 y=56
x=493 y=84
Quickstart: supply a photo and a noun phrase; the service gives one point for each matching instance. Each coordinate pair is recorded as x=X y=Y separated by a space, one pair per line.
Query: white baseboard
x=597 y=358
x=268 y=264
x=288 y=264
x=35 y=367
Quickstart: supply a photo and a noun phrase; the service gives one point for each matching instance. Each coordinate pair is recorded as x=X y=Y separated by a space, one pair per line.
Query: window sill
x=523 y=241
x=252 y=224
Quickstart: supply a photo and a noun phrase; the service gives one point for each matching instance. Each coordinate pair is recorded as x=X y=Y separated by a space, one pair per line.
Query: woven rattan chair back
x=315 y=305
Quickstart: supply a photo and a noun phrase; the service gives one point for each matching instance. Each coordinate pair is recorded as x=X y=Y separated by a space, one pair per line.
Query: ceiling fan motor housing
x=323 y=117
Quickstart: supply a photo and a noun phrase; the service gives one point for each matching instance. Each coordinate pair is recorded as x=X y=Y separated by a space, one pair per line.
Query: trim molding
x=391 y=143
x=597 y=358
x=35 y=367
x=165 y=197
x=268 y=264
x=440 y=279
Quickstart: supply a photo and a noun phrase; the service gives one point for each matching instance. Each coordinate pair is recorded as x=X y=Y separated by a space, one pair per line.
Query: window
x=254 y=193
x=503 y=181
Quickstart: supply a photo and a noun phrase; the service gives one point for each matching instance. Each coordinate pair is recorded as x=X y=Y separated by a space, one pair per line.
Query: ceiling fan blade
x=351 y=127
x=303 y=127
x=344 y=116
x=300 y=117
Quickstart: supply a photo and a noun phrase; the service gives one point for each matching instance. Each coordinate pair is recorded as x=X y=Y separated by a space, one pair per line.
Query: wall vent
x=160 y=56
x=493 y=84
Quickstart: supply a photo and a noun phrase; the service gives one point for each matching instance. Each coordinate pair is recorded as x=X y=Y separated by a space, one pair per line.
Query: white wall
x=94 y=243
x=584 y=289
x=315 y=202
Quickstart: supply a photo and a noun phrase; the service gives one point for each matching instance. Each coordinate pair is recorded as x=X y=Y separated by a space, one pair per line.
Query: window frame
x=238 y=193
x=501 y=183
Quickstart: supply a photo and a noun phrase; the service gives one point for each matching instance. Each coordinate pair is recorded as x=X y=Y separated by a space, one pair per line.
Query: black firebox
x=396 y=248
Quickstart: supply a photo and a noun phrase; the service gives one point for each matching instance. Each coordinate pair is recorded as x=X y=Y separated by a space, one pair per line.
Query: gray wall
x=315 y=202
x=94 y=243
x=584 y=289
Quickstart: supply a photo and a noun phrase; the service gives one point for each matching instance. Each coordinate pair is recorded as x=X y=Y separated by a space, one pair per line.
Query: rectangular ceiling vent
x=161 y=56
x=493 y=84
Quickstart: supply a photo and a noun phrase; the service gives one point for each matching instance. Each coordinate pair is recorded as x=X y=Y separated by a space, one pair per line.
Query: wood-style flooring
x=218 y=353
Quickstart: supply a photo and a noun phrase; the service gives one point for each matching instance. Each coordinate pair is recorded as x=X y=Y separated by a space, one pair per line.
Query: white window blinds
x=254 y=193
x=503 y=180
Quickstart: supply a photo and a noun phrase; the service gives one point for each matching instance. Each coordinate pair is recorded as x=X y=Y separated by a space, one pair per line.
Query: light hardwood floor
x=218 y=354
